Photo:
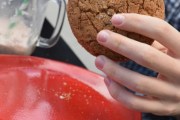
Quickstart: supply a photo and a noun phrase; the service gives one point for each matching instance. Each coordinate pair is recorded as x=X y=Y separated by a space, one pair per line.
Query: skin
x=161 y=95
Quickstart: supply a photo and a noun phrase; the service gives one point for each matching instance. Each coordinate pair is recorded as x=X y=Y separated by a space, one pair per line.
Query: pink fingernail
x=103 y=36
x=107 y=81
x=100 y=62
x=117 y=19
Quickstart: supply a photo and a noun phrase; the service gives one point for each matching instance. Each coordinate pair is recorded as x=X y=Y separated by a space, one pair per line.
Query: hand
x=161 y=94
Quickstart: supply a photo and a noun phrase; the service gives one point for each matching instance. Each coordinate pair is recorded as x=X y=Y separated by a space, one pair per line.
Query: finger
x=132 y=101
x=160 y=47
x=135 y=81
x=151 y=27
x=139 y=52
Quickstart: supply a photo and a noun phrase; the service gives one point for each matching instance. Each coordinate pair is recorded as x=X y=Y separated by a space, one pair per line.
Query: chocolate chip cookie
x=88 y=17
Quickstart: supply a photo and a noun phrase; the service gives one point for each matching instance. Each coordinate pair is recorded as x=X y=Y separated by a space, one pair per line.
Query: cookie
x=88 y=17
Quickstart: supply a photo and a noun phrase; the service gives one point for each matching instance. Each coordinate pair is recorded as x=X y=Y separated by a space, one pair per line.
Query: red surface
x=39 y=89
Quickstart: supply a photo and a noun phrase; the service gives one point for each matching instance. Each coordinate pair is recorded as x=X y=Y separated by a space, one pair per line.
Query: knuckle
x=147 y=55
x=131 y=104
x=169 y=110
x=112 y=71
x=166 y=111
x=138 y=87
x=162 y=28
x=117 y=44
x=143 y=87
x=177 y=96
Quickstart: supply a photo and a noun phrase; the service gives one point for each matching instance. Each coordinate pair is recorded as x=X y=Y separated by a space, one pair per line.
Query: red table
x=39 y=89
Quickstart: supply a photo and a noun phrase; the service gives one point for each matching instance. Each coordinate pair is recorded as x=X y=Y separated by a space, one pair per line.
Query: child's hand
x=162 y=94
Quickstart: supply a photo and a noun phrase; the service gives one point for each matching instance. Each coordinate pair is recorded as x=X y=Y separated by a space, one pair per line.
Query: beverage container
x=21 y=22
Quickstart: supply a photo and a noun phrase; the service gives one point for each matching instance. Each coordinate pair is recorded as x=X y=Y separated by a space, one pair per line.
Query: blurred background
x=67 y=49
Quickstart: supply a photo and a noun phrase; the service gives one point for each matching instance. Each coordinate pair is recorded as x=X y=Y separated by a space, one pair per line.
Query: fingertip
x=99 y=62
x=117 y=19
x=103 y=36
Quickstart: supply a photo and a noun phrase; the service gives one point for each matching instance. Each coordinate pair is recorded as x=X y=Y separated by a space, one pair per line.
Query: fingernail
x=100 y=62
x=103 y=36
x=107 y=81
x=117 y=19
